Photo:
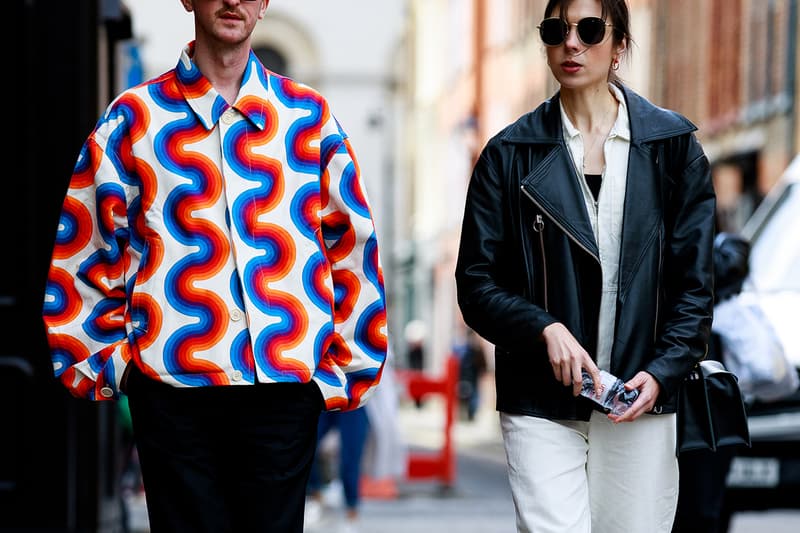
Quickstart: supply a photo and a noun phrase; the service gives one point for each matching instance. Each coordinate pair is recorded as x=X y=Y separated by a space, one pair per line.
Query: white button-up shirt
x=605 y=213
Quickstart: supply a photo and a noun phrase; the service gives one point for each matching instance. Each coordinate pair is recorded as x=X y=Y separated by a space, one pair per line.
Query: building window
x=273 y=59
x=725 y=64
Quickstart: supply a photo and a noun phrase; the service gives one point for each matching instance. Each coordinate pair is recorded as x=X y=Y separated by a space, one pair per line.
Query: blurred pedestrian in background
x=415 y=349
x=471 y=368
x=216 y=260
x=352 y=445
x=385 y=455
x=415 y=344
x=351 y=427
x=587 y=245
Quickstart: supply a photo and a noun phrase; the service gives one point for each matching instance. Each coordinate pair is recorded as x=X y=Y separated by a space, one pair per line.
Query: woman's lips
x=570 y=67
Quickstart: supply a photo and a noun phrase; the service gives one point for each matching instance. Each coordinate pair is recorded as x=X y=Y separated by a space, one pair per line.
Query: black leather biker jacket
x=528 y=257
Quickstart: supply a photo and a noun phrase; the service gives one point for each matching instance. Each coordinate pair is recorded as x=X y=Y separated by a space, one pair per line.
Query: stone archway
x=282 y=43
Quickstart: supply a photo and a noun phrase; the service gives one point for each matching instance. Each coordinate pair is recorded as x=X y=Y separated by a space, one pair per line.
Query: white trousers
x=592 y=477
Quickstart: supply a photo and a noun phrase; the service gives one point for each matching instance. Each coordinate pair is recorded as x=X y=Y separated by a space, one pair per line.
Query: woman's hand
x=567 y=357
x=649 y=389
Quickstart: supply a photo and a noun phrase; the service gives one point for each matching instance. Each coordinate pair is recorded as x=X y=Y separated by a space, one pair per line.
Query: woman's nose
x=571 y=40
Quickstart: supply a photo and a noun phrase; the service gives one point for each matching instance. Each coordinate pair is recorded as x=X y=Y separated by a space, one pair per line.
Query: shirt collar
x=209 y=105
x=621 y=127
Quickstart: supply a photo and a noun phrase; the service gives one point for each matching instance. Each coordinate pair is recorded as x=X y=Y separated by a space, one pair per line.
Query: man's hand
x=649 y=389
x=567 y=357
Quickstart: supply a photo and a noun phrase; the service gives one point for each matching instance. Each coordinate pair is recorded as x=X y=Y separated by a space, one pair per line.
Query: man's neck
x=223 y=68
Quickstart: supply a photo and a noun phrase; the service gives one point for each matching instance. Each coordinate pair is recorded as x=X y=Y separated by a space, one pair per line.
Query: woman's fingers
x=566 y=375
x=597 y=381
x=577 y=378
x=649 y=390
x=568 y=358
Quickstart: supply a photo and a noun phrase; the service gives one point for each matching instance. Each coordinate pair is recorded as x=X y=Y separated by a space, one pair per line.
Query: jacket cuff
x=104 y=369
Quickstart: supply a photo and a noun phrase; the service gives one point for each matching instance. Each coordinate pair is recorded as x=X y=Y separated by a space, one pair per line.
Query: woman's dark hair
x=614 y=11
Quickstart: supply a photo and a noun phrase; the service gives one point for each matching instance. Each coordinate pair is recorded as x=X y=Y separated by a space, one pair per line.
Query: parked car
x=767 y=475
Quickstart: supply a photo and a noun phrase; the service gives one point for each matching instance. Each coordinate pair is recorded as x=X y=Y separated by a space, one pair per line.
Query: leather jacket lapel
x=553 y=186
x=642 y=213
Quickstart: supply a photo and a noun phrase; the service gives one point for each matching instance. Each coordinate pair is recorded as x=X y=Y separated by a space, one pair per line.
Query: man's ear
x=187 y=5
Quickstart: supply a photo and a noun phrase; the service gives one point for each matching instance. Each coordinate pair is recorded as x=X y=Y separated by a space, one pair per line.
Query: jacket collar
x=648 y=122
x=562 y=200
x=208 y=105
x=621 y=127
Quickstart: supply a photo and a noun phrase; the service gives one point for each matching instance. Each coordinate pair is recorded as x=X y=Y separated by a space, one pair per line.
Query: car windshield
x=775 y=257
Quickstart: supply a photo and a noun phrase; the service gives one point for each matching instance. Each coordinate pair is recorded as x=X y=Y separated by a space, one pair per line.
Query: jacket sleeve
x=687 y=279
x=499 y=313
x=85 y=308
x=351 y=367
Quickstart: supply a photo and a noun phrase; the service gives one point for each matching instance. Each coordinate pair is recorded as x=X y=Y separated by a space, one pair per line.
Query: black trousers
x=224 y=459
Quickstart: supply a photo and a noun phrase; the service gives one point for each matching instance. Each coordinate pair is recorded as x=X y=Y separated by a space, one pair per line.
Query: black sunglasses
x=591 y=30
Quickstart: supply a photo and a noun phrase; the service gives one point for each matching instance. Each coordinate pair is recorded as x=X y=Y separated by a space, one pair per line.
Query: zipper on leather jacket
x=538 y=227
x=560 y=226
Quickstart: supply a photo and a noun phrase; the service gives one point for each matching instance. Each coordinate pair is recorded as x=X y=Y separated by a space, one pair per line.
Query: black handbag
x=711 y=411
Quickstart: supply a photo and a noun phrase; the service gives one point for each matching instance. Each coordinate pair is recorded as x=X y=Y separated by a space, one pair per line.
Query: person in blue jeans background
x=353 y=428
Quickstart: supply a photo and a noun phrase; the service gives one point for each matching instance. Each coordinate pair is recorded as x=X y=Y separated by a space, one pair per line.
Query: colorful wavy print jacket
x=217 y=245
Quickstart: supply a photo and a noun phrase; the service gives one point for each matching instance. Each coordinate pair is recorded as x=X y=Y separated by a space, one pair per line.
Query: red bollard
x=439 y=465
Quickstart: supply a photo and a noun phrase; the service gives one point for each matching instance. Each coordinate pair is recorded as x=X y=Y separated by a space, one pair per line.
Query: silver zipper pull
x=538 y=225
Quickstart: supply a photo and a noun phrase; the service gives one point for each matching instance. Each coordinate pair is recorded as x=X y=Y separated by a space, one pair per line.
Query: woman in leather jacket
x=586 y=245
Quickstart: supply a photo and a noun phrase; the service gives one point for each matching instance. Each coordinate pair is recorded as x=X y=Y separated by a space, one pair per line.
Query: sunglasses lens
x=552 y=31
x=591 y=30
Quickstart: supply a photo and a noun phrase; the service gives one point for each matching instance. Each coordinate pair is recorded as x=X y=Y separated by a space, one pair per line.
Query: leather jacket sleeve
x=490 y=305
x=689 y=204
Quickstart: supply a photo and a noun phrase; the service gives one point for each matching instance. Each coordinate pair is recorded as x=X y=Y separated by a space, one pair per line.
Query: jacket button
x=106 y=392
x=228 y=116
x=237 y=375
x=236 y=315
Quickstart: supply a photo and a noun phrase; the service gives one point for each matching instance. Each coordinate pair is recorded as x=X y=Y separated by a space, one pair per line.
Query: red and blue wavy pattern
x=182 y=288
x=301 y=154
x=277 y=257
x=151 y=220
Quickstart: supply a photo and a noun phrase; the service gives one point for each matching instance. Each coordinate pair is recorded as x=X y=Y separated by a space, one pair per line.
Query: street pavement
x=478 y=502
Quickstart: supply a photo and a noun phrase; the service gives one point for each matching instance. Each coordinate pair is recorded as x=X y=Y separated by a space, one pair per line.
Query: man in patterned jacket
x=216 y=261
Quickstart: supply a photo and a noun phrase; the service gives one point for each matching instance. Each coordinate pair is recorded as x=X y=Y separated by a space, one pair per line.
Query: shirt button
x=236 y=315
x=237 y=375
x=228 y=116
x=106 y=392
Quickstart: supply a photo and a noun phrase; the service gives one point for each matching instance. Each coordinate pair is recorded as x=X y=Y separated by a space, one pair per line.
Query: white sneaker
x=333 y=495
x=349 y=526
x=312 y=515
